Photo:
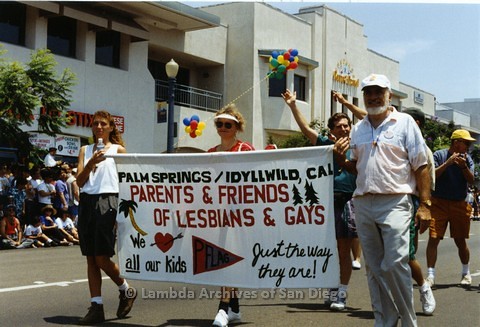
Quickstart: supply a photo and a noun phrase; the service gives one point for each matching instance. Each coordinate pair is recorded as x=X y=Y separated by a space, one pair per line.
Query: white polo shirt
x=388 y=156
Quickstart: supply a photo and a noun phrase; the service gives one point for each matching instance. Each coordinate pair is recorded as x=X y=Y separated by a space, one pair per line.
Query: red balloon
x=286 y=55
x=193 y=124
x=292 y=65
x=193 y=135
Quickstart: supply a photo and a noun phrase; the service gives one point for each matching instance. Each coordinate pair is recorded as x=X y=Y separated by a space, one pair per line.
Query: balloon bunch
x=281 y=62
x=193 y=126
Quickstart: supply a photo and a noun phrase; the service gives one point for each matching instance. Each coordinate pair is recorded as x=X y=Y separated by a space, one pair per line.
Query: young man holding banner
x=344 y=185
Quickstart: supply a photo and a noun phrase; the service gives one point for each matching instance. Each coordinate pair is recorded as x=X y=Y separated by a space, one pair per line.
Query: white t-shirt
x=49 y=161
x=46 y=188
x=33 y=231
x=71 y=197
x=67 y=224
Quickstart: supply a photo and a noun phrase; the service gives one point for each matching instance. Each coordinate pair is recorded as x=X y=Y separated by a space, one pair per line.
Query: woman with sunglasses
x=229 y=121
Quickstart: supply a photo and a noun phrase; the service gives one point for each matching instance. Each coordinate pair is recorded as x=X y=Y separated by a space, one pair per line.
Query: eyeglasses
x=220 y=124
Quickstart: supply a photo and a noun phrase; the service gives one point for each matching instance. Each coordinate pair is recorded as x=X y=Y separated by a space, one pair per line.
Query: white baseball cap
x=376 y=79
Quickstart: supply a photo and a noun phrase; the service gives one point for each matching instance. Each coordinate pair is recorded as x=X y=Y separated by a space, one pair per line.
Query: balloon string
x=231 y=102
x=251 y=88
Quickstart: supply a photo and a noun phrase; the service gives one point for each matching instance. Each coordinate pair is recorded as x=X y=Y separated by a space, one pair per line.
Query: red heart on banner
x=164 y=242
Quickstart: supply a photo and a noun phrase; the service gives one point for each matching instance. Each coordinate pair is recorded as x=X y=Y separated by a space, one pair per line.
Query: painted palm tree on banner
x=128 y=207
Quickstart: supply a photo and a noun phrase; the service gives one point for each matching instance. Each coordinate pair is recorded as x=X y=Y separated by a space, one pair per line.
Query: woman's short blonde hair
x=232 y=110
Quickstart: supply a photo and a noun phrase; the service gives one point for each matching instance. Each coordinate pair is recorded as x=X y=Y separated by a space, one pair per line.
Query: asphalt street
x=48 y=287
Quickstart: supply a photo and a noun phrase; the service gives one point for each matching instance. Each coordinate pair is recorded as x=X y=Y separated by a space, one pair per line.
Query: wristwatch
x=428 y=203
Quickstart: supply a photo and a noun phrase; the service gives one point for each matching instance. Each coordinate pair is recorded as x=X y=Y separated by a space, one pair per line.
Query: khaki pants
x=383 y=223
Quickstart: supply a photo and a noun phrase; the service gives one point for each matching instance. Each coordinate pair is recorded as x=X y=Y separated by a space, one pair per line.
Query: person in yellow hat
x=453 y=171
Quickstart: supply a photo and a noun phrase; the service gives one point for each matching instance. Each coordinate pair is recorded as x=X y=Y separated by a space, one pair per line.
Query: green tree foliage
x=24 y=88
x=436 y=134
x=298 y=140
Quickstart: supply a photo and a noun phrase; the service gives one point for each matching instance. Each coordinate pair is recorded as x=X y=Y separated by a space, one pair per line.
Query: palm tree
x=128 y=207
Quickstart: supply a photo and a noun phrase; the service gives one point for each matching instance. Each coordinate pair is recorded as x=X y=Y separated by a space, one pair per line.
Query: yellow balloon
x=280 y=59
x=201 y=125
x=198 y=132
x=295 y=59
x=188 y=130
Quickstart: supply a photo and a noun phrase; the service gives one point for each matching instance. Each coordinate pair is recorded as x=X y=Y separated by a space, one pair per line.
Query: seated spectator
x=49 y=160
x=34 y=232
x=11 y=233
x=50 y=228
x=66 y=226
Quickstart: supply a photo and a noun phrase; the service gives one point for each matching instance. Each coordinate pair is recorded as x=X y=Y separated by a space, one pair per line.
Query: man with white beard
x=389 y=154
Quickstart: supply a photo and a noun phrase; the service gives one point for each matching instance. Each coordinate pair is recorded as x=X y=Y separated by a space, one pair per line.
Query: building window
x=107 y=48
x=277 y=86
x=299 y=87
x=12 y=22
x=62 y=36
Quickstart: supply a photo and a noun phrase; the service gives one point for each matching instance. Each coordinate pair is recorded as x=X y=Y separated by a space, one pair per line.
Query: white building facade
x=118 y=51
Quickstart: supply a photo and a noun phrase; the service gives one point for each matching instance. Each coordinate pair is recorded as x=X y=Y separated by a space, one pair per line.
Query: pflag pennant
x=208 y=256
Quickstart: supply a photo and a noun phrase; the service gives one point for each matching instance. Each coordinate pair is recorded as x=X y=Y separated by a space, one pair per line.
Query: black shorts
x=97 y=214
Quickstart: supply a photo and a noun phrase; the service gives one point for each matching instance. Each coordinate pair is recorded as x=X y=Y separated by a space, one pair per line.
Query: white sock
x=342 y=287
x=466 y=269
x=124 y=286
x=431 y=272
x=97 y=299
x=342 y=291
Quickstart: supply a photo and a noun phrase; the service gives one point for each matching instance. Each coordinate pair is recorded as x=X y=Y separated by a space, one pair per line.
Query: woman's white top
x=104 y=178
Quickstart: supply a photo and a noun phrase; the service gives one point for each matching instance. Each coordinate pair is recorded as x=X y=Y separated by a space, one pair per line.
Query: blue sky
x=437 y=44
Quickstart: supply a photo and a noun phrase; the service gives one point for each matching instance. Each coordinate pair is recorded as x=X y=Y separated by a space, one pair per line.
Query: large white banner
x=260 y=219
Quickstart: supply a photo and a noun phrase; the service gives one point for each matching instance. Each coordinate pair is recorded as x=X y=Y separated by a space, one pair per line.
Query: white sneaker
x=356 y=265
x=427 y=299
x=233 y=316
x=466 y=280
x=221 y=319
x=339 y=305
x=339 y=302
x=430 y=280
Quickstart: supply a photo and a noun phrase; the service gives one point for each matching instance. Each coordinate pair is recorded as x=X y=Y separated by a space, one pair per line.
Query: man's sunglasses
x=465 y=142
x=220 y=124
